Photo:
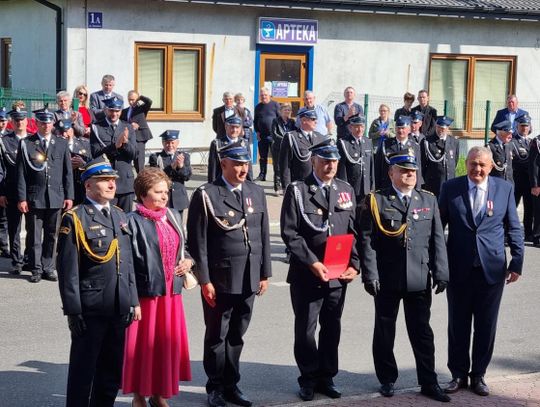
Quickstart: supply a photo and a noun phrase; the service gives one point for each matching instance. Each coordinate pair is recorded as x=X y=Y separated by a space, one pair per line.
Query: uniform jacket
x=80 y=147
x=10 y=149
x=147 y=261
x=356 y=165
x=291 y=166
x=97 y=103
x=428 y=123
x=389 y=146
x=436 y=173
x=487 y=238
x=138 y=115
x=48 y=188
x=406 y=262
x=77 y=126
x=234 y=261
x=280 y=128
x=88 y=287
x=178 y=197
x=340 y=111
x=306 y=244
x=534 y=162
x=502 y=158
x=214 y=167
x=218 y=119
x=103 y=141
x=520 y=147
x=504 y=114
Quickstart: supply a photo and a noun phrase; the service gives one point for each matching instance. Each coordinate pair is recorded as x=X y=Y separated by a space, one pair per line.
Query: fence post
x=445 y=109
x=486 y=129
x=366 y=104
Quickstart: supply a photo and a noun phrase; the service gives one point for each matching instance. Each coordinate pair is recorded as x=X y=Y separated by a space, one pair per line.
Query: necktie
x=477 y=203
x=326 y=192
x=113 y=126
x=44 y=144
x=405 y=200
x=238 y=195
x=105 y=212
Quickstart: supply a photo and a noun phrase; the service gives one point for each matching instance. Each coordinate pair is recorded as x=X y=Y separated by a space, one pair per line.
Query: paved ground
x=34 y=345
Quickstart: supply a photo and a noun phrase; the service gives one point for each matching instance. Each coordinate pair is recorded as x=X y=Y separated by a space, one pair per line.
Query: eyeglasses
x=313 y=119
x=82 y=94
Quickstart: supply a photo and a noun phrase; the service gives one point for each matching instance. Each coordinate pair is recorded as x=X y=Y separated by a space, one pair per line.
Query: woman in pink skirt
x=156 y=353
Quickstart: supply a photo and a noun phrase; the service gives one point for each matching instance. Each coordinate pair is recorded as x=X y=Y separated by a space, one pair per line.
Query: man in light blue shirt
x=324 y=122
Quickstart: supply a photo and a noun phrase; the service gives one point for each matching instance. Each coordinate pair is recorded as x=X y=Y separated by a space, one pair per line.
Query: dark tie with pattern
x=405 y=200
x=238 y=195
x=105 y=212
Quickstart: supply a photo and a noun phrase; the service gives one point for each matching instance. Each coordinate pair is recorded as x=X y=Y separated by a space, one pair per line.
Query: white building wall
x=381 y=55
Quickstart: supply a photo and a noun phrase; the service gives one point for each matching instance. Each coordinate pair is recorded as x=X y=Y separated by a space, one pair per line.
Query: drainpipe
x=59 y=23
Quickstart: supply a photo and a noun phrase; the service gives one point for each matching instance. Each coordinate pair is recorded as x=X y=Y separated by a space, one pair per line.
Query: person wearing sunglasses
x=81 y=93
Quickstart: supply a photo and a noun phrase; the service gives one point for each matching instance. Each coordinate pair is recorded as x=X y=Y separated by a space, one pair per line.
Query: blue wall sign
x=287 y=31
x=95 y=19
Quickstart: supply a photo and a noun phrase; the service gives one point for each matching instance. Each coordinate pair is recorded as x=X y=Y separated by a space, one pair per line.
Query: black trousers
x=14 y=231
x=317 y=363
x=226 y=325
x=124 y=201
x=276 y=146
x=43 y=227
x=522 y=189
x=4 y=235
x=139 y=159
x=264 y=148
x=472 y=303
x=95 y=363
x=417 y=307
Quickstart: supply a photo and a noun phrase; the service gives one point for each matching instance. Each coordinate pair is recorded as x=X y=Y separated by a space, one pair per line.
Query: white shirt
x=400 y=194
x=47 y=139
x=98 y=206
x=230 y=187
x=321 y=183
x=482 y=191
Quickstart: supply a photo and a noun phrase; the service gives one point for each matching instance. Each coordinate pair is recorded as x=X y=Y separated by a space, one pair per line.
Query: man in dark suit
x=480 y=212
x=392 y=145
x=97 y=99
x=345 y=110
x=520 y=172
x=176 y=165
x=534 y=179
x=295 y=155
x=222 y=113
x=416 y=123
x=312 y=210
x=511 y=112
x=402 y=249
x=501 y=149
x=4 y=233
x=356 y=165
x=79 y=149
x=9 y=144
x=97 y=288
x=232 y=135
x=440 y=156
x=229 y=239
x=135 y=114
x=44 y=188
x=430 y=113
x=116 y=139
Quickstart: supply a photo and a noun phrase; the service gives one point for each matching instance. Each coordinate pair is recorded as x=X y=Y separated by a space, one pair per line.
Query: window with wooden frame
x=466 y=82
x=172 y=75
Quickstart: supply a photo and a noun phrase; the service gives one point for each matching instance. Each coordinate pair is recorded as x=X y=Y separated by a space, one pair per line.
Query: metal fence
x=33 y=99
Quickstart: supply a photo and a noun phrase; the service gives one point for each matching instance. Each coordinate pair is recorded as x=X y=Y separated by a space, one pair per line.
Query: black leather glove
x=130 y=316
x=441 y=286
x=372 y=287
x=76 y=324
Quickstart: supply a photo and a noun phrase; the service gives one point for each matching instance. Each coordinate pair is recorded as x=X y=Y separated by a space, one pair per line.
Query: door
x=285 y=76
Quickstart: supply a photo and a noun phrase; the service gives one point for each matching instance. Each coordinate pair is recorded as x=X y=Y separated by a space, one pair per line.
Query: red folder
x=338 y=254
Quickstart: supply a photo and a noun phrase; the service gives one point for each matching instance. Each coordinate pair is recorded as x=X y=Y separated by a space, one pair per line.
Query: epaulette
x=117 y=207
x=427 y=192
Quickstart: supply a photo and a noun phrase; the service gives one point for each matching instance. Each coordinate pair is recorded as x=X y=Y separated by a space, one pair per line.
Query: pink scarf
x=169 y=239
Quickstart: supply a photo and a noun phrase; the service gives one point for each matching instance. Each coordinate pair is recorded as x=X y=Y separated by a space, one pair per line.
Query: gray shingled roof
x=496 y=9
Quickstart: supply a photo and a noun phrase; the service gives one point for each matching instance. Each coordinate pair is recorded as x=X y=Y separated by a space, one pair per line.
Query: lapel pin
x=231 y=213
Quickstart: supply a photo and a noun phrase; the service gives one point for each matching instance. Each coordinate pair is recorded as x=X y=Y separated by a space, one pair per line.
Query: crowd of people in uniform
x=121 y=266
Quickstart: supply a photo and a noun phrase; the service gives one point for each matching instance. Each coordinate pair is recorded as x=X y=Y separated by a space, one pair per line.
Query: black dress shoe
x=536 y=242
x=261 y=177
x=50 y=276
x=236 y=396
x=328 y=389
x=306 y=393
x=16 y=270
x=455 y=384
x=434 y=391
x=387 y=389
x=479 y=386
x=215 y=399
x=35 y=278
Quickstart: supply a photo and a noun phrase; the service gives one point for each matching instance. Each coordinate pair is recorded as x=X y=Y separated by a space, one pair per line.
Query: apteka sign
x=287 y=31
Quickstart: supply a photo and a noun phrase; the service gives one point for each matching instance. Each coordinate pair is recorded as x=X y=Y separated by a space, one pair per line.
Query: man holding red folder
x=402 y=249
x=313 y=209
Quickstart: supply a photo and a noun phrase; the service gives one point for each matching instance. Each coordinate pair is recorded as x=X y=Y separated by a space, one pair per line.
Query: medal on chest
x=489 y=208
x=249 y=205
x=344 y=200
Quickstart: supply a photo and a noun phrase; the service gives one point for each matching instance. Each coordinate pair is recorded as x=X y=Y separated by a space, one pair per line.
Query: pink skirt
x=156 y=355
